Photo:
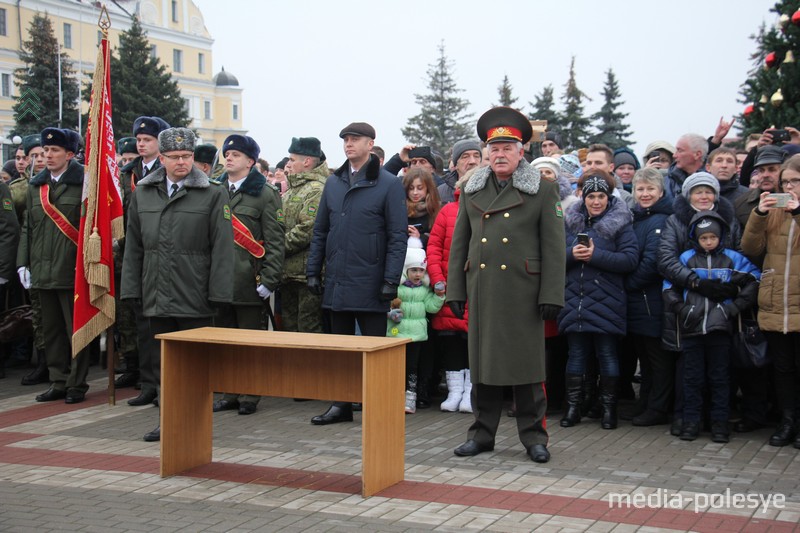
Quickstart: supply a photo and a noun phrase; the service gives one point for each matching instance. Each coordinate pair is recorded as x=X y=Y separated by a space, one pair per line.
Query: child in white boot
x=408 y=316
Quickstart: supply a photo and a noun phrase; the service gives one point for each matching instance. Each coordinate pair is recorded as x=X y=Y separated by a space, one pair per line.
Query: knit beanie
x=547 y=162
x=464 y=146
x=707 y=225
x=624 y=156
x=697 y=179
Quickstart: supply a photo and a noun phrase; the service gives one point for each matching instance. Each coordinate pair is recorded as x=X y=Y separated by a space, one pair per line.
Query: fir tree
x=575 y=126
x=36 y=105
x=609 y=121
x=774 y=69
x=141 y=85
x=505 y=92
x=442 y=119
x=544 y=109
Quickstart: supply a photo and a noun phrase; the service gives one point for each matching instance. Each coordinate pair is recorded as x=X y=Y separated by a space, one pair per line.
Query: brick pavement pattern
x=85 y=468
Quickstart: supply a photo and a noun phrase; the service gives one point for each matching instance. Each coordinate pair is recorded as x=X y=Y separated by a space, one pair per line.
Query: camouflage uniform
x=301 y=310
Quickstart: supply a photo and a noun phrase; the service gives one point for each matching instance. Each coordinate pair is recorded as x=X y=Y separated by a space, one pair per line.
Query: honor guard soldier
x=178 y=243
x=258 y=250
x=204 y=156
x=136 y=346
x=507 y=259
x=46 y=259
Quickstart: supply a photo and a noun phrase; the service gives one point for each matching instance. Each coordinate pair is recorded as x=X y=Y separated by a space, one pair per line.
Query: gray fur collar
x=525 y=179
x=607 y=225
x=196 y=179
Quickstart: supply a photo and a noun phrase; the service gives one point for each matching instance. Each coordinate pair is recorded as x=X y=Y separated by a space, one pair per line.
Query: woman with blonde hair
x=773 y=229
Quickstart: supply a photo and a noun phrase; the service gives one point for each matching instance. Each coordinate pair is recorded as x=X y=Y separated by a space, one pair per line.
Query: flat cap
x=361 y=129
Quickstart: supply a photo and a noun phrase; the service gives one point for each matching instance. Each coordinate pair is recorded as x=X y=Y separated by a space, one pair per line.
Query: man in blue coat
x=360 y=235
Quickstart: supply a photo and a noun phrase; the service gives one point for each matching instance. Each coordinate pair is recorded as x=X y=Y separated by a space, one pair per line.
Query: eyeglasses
x=793 y=183
x=184 y=157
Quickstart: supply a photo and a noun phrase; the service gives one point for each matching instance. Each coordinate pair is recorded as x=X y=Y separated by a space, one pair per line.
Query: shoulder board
x=274 y=188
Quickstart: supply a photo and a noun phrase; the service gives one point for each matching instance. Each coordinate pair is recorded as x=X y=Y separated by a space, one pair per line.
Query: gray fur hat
x=175 y=140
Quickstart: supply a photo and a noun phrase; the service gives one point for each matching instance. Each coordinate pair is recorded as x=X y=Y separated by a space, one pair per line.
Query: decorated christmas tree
x=771 y=94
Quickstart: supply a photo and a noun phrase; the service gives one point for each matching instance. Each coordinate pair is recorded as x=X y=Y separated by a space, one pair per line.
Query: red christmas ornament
x=770 y=60
x=748 y=110
x=796 y=18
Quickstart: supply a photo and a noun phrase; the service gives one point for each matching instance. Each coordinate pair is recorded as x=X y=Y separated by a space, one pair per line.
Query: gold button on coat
x=483 y=240
x=502 y=267
x=483 y=265
x=506 y=215
x=505 y=240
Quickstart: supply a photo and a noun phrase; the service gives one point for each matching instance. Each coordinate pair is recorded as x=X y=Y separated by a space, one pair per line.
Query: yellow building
x=177 y=35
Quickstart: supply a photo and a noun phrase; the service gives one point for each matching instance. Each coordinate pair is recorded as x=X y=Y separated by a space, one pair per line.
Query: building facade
x=177 y=35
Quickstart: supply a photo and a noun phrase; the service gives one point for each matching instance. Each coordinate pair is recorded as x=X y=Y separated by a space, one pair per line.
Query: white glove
x=263 y=292
x=24 y=277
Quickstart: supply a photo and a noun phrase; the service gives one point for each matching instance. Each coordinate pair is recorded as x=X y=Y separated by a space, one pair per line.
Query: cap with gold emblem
x=126 y=145
x=504 y=124
x=67 y=139
x=176 y=140
x=149 y=126
x=242 y=143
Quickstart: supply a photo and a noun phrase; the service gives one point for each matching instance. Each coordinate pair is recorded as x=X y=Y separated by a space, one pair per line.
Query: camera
x=780 y=136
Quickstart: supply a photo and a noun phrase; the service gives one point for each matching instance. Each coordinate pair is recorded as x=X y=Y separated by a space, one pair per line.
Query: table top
x=284 y=339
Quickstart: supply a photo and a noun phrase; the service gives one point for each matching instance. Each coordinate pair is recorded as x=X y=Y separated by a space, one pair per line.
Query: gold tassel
x=94 y=247
x=97 y=274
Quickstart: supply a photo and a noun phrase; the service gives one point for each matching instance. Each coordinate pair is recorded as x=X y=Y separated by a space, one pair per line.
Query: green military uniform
x=50 y=256
x=134 y=333
x=301 y=310
x=177 y=252
x=257 y=204
x=19 y=192
x=9 y=237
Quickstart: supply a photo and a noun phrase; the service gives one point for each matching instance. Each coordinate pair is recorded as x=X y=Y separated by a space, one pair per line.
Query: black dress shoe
x=333 y=415
x=225 y=405
x=650 y=418
x=143 y=399
x=52 y=394
x=690 y=431
x=153 y=436
x=720 y=432
x=472 y=448
x=38 y=375
x=539 y=453
x=247 y=408
x=746 y=425
x=128 y=379
x=74 y=396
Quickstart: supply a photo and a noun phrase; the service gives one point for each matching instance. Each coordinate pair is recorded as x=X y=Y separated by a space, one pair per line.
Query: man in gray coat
x=178 y=260
x=508 y=260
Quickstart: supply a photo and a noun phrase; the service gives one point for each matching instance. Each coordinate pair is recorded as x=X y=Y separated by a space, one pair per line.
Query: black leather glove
x=388 y=292
x=717 y=291
x=690 y=317
x=731 y=310
x=458 y=308
x=314 y=285
x=549 y=311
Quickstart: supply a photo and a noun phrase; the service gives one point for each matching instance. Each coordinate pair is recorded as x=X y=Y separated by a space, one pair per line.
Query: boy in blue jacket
x=705 y=326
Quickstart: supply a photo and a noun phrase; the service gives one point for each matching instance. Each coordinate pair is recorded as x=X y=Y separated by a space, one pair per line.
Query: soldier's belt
x=58 y=218
x=244 y=238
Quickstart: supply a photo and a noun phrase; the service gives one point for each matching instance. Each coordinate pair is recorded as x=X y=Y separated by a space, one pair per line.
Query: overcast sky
x=308 y=68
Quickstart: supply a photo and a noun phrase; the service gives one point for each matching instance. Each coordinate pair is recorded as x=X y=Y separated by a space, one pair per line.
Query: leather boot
x=455 y=390
x=608 y=398
x=590 y=406
x=40 y=374
x=785 y=433
x=574 y=384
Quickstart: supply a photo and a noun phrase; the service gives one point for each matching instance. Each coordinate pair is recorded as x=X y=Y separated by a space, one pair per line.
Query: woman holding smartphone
x=774 y=229
x=601 y=249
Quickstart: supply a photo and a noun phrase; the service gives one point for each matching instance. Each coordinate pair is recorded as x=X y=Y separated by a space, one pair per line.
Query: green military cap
x=127 y=145
x=29 y=142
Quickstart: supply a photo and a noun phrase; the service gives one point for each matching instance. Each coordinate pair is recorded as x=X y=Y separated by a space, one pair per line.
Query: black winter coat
x=643 y=285
x=675 y=241
x=360 y=236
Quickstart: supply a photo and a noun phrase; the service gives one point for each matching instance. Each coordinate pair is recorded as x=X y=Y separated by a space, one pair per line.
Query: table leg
x=383 y=419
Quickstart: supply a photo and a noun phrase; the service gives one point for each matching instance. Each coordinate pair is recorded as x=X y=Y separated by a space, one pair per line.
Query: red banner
x=101 y=217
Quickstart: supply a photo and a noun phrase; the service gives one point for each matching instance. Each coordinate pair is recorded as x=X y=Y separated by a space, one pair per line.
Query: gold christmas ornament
x=784 y=21
x=777 y=98
x=763 y=99
x=789 y=57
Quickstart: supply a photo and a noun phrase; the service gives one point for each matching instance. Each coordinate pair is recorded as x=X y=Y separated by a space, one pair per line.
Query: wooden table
x=348 y=368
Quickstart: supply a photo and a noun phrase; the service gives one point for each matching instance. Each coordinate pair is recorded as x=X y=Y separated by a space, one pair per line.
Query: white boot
x=411 y=402
x=466 y=403
x=455 y=390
